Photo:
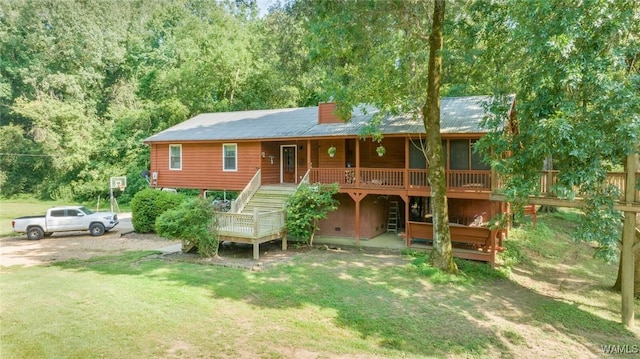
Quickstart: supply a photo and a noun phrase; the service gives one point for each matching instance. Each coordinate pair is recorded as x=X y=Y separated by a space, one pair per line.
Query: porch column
x=405 y=198
x=308 y=155
x=358 y=168
x=406 y=163
x=357 y=197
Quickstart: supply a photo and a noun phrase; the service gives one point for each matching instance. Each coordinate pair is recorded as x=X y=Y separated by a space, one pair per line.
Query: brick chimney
x=326 y=113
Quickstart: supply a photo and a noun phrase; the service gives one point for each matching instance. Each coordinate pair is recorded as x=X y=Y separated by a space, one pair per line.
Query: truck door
x=55 y=220
x=76 y=220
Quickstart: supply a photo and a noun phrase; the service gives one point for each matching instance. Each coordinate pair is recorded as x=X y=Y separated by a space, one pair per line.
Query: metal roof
x=457 y=115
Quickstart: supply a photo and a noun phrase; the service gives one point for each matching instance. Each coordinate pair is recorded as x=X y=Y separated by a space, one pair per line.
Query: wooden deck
x=255 y=228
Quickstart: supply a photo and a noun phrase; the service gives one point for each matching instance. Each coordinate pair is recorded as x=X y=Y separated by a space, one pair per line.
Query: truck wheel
x=35 y=233
x=96 y=229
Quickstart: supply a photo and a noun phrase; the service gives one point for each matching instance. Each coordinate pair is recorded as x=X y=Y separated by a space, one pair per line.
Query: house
x=379 y=192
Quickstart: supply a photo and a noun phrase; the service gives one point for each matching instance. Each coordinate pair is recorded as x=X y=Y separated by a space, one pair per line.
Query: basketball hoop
x=121 y=188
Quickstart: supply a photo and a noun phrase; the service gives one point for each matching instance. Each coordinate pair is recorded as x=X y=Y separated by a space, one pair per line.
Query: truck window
x=72 y=212
x=57 y=213
x=86 y=210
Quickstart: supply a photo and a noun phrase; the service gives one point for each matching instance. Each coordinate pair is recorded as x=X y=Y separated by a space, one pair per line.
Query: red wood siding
x=393 y=157
x=326 y=161
x=202 y=166
x=270 y=172
x=326 y=113
x=340 y=223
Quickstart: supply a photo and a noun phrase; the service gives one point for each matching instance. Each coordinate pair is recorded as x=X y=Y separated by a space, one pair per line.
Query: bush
x=193 y=222
x=148 y=204
x=306 y=206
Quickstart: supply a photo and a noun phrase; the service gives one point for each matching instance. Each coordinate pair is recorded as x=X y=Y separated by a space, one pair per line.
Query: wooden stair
x=269 y=198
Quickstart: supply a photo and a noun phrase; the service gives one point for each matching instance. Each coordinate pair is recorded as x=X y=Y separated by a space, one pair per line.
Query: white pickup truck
x=65 y=219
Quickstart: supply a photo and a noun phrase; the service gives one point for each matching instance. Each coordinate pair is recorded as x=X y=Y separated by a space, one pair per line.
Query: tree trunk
x=441 y=255
x=548 y=209
x=636 y=282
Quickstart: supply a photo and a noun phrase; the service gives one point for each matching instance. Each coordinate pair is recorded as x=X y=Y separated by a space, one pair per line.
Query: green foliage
x=193 y=222
x=576 y=77
x=148 y=204
x=306 y=206
x=86 y=82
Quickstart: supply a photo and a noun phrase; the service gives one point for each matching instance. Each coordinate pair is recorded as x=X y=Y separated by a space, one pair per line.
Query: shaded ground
x=556 y=304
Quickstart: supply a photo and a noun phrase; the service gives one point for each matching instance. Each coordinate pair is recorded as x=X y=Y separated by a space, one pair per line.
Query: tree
x=441 y=255
x=577 y=79
x=381 y=53
x=308 y=205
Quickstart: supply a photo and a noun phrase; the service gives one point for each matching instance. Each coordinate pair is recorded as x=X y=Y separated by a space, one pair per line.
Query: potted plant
x=381 y=150
x=331 y=151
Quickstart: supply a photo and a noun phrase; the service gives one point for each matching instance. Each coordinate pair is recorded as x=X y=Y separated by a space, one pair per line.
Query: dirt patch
x=19 y=250
x=240 y=256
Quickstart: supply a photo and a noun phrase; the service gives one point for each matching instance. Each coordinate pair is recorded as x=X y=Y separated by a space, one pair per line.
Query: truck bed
x=27 y=217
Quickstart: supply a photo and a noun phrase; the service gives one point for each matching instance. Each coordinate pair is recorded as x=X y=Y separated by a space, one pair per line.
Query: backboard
x=118 y=182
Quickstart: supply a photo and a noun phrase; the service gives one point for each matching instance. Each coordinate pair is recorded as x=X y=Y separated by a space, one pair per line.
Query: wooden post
x=357 y=163
x=628 y=239
x=406 y=163
x=284 y=236
x=256 y=249
x=254 y=240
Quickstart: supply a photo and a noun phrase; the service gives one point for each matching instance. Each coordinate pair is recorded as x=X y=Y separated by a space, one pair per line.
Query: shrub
x=306 y=206
x=148 y=204
x=193 y=222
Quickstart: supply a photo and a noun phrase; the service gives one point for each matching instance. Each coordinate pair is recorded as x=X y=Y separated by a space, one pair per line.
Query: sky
x=263 y=5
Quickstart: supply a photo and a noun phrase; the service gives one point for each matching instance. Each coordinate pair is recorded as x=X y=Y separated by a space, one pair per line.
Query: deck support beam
x=357 y=197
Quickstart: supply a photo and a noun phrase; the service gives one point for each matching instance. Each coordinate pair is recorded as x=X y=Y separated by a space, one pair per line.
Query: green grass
x=321 y=304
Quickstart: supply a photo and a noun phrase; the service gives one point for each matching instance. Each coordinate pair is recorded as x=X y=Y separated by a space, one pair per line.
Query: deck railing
x=305 y=178
x=251 y=225
x=548 y=179
x=458 y=180
x=382 y=177
x=243 y=198
x=398 y=178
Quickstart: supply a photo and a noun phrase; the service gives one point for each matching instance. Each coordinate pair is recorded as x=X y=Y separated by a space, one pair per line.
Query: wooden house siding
x=326 y=113
x=270 y=172
x=202 y=166
x=340 y=223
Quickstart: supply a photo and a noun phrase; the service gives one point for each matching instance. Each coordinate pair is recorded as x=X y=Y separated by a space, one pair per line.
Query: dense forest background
x=82 y=83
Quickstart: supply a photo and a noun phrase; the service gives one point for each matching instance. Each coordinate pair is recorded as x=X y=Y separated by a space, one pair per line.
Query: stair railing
x=243 y=198
x=305 y=178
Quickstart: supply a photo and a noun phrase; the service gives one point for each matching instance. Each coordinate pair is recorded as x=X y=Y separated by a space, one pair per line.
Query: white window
x=229 y=157
x=175 y=157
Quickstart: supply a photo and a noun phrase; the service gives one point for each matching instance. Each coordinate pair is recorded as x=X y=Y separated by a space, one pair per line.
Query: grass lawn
x=326 y=304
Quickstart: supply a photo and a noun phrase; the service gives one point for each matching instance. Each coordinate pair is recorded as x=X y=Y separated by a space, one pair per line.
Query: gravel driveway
x=18 y=250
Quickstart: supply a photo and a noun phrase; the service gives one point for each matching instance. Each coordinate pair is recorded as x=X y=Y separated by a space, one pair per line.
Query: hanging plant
x=331 y=151
x=381 y=150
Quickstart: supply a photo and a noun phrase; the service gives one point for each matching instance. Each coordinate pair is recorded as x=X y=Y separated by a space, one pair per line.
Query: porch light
x=331 y=151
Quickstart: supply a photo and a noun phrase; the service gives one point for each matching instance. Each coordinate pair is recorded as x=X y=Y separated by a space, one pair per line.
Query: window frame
x=171 y=168
x=224 y=157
